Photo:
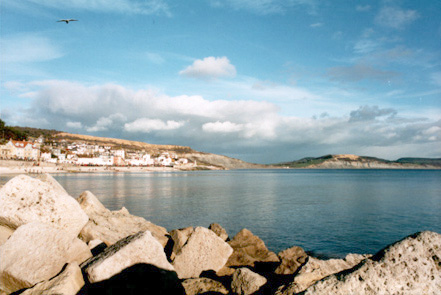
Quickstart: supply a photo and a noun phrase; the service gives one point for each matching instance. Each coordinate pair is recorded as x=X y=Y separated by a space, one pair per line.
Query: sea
x=329 y=213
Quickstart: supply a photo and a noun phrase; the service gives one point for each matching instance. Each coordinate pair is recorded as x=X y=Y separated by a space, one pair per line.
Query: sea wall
x=53 y=243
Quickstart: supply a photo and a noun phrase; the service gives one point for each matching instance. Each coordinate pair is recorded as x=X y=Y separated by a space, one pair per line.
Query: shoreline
x=13 y=167
x=16 y=167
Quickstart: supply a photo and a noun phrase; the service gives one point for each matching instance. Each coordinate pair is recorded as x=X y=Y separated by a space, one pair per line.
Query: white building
x=164 y=160
x=101 y=161
x=21 y=150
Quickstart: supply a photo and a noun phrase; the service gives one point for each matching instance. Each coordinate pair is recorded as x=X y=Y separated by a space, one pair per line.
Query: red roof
x=22 y=144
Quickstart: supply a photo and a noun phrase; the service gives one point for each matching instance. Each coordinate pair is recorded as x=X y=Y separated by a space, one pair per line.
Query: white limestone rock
x=112 y=226
x=93 y=243
x=180 y=238
x=246 y=282
x=203 y=285
x=139 y=248
x=68 y=282
x=56 y=187
x=410 y=266
x=204 y=250
x=5 y=233
x=36 y=252
x=24 y=199
x=316 y=269
x=219 y=230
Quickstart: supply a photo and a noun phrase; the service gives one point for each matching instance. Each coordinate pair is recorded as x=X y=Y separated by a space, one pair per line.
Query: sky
x=264 y=81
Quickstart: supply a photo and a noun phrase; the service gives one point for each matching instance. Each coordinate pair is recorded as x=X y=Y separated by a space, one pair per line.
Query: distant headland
x=68 y=151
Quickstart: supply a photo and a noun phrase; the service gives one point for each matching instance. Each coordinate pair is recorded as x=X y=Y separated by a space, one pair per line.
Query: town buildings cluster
x=85 y=154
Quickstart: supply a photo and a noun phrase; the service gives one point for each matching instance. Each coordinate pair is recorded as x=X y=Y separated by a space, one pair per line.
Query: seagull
x=67 y=20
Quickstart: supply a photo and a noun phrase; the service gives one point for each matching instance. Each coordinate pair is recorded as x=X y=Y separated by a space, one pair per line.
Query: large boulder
x=249 y=249
x=5 y=233
x=410 y=266
x=68 y=282
x=36 y=252
x=179 y=238
x=56 y=187
x=204 y=250
x=246 y=282
x=291 y=259
x=112 y=226
x=202 y=286
x=24 y=199
x=219 y=230
x=316 y=269
x=139 y=248
x=138 y=279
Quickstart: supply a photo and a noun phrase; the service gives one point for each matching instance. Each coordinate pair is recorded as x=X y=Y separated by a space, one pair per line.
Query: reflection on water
x=327 y=211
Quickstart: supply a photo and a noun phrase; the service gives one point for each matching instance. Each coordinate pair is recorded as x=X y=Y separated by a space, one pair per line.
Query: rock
x=93 y=243
x=203 y=285
x=249 y=249
x=410 y=266
x=139 y=248
x=219 y=231
x=204 y=250
x=179 y=237
x=137 y=279
x=68 y=282
x=24 y=199
x=56 y=187
x=36 y=252
x=96 y=247
x=112 y=226
x=316 y=269
x=246 y=282
x=291 y=259
x=5 y=233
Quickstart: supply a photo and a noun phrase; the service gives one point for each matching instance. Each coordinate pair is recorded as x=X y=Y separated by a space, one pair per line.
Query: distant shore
x=22 y=167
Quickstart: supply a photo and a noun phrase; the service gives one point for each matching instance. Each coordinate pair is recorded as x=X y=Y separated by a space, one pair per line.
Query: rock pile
x=51 y=243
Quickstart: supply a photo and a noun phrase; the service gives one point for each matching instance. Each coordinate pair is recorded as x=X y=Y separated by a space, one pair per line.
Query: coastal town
x=86 y=154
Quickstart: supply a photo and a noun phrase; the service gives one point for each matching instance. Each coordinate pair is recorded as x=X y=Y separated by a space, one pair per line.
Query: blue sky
x=264 y=81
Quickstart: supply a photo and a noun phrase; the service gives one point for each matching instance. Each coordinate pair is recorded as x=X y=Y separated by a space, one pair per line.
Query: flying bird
x=67 y=20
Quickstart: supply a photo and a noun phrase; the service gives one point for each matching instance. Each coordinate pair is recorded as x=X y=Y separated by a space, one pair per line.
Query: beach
x=31 y=167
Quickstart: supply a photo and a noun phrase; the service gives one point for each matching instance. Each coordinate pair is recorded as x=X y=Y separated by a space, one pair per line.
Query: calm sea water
x=329 y=212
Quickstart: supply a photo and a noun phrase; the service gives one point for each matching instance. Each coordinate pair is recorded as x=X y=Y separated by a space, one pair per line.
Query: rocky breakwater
x=52 y=243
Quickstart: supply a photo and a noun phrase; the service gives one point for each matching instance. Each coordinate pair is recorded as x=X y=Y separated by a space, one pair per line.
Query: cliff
x=347 y=161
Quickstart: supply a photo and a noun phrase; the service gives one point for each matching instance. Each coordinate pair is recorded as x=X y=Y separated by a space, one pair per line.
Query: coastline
x=27 y=167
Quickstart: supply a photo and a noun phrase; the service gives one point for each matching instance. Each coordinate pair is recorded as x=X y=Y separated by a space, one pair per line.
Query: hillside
x=361 y=162
x=203 y=159
x=344 y=161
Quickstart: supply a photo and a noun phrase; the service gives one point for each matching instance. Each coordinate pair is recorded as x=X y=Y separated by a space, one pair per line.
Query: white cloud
x=316 y=25
x=104 y=123
x=154 y=58
x=74 y=125
x=119 y=6
x=222 y=127
x=436 y=78
x=146 y=125
x=363 y=8
x=359 y=72
x=227 y=127
x=210 y=68
x=395 y=17
x=265 y=7
x=365 y=46
x=26 y=48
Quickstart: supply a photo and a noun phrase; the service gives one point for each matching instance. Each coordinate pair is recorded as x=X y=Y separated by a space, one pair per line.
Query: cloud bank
x=231 y=127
